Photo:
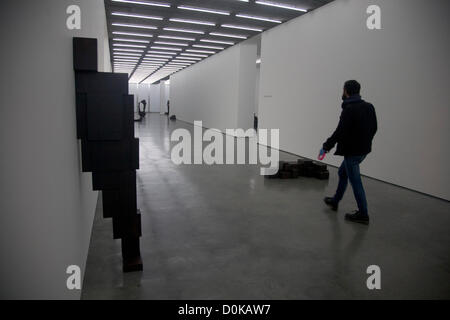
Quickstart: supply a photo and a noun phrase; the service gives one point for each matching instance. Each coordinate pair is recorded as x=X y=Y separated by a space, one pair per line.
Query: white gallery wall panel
x=404 y=70
x=47 y=207
x=208 y=91
x=247 y=83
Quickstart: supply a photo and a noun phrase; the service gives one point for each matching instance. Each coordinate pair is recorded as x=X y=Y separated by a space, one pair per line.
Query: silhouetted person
x=354 y=135
x=168 y=107
x=142 y=113
x=144 y=109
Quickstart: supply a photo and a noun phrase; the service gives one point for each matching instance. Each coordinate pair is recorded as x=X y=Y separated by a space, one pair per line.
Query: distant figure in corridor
x=354 y=135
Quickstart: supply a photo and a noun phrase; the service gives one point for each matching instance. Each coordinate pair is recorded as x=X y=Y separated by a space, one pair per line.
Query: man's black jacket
x=356 y=129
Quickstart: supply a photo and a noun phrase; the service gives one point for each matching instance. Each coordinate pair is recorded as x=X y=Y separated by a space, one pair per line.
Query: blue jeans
x=349 y=170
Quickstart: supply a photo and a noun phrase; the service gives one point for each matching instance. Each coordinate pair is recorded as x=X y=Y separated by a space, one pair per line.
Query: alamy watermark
x=189 y=150
x=374 y=20
x=374 y=280
x=74 y=280
x=73 y=22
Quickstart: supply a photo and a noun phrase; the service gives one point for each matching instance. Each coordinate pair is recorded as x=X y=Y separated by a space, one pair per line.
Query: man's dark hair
x=352 y=87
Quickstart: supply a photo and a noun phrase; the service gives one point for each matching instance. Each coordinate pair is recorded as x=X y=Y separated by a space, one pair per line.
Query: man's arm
x=338 y=133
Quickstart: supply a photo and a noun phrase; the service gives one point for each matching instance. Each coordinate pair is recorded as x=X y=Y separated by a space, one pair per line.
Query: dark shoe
x=331 y=203
x=357 y=217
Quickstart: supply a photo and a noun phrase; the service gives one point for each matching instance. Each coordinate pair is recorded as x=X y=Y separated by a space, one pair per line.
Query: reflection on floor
x=224 y=232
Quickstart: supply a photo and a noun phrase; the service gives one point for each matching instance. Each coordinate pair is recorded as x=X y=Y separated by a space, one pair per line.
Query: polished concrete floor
x=224 y=232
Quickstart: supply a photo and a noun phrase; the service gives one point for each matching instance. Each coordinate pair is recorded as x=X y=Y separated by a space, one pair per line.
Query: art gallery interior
x=88 y=177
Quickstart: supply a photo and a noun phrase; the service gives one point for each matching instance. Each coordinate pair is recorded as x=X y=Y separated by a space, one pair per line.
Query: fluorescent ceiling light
x=155 y=60
x=232 y=26
x=280 y=5
x=217 y=41
x=130 y=40
x=187 y=58
x=201 y=51
x=176 y=38
x=162 y=52
x=181 y=62
x=124 y=57
x=178 y=65
x=204 y=10
x=247 y=16
x=172 y=43
x=208 y=47
x=128 y=50
x=145 y=3
x=139 y=16
x=126 y=60
x=184 y=30
x=128 y=45
x=127 y=54
x=203 y=23
x=137 y=26
x=194 y=55
x=146 y=35
x=166 y=48
x=127 y=57
x=159 y=56
x=184 y=61
x=127 y=65
x=227 y=35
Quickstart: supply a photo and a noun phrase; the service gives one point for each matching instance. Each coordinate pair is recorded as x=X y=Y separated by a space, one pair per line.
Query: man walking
x=354 y=135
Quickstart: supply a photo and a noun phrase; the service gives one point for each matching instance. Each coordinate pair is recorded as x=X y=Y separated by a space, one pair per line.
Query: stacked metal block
x=105 y=125
x=301 y=168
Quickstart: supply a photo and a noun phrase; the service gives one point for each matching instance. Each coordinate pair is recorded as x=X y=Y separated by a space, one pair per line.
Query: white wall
x=247 y=83
x=155 y=98
x=208 y=91
x=403 y=68
x=218 y=90
x=257 y=89
x=47 y=205
x=164 y=95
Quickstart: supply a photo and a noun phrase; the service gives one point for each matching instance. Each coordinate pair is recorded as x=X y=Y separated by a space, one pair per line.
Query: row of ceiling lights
x=126 y=59
x=184 y=7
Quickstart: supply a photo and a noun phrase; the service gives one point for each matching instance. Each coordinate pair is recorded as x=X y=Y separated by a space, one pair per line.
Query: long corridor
x=225 y=232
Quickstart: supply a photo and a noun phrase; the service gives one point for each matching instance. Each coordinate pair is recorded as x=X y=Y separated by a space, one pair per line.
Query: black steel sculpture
x=105 y=125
